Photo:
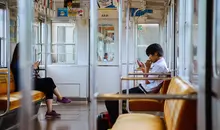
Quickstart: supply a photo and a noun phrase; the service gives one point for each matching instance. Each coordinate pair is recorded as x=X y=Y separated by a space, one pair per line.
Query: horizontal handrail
x=144 y=78
x=149 y=73
x=3 y=72
x=144 y=96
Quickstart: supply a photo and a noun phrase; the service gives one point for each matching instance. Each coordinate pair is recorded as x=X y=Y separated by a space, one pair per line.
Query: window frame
x=54 y=27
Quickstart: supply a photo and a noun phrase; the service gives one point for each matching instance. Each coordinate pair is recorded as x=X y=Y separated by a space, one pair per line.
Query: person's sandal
x=64 y=100
x=52 y=114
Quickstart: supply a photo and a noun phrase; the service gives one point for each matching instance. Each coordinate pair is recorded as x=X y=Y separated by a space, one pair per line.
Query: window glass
x=63 y=46
x=195 y=43
x=217 y=37
x=177 y=34
x=147 y=34
x=37 y=45
x=13 y=32
x=106 y=43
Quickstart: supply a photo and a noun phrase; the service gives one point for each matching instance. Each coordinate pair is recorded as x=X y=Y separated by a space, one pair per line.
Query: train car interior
x=109 y=65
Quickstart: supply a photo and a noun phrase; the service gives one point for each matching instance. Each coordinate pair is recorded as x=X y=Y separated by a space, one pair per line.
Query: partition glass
x=147 y=34
x=106 y=45
x=194 y=77
x=177 y=34
x=63 y=43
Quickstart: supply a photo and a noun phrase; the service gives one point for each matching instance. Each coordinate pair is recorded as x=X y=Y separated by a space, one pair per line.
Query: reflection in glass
x=106 y=45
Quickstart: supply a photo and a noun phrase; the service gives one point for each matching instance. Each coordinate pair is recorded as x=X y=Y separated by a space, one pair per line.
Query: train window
x=177 y=34
x=194 y=74
x=147 y=34
x=13 y=32
x=38 y=46
x=63 y=46
x=217 y=40
x=106 y=45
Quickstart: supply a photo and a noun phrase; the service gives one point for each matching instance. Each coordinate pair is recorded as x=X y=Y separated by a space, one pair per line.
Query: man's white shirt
x=159 y=66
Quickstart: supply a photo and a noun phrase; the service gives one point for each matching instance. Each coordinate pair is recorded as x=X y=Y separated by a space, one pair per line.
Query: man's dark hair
x=153 y=48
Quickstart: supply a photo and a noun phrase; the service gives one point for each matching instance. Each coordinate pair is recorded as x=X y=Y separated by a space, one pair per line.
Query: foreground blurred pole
x=93 y=58
x=25 y=19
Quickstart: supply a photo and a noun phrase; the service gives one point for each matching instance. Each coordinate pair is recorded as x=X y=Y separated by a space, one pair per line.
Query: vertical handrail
x=120 y=31
x=134 y=35
x=93 y=63
x=45 y=43
x=8 y=56
x=127 y=43
x=25 y=9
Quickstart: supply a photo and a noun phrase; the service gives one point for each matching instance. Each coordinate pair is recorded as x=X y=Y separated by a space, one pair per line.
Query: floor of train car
x=74 y=116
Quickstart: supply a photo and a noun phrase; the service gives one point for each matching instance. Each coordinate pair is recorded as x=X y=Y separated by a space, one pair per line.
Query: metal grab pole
x=8 y=56
x=120 y=28
x=93 y=58
x=127 y=44
x=45 y=43
x=25 y=72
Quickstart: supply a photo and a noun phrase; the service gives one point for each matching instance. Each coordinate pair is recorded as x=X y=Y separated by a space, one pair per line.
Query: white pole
x=45 y=42
x=120 y=39
x=25 y=77
x=93 y=63
x=127 y=44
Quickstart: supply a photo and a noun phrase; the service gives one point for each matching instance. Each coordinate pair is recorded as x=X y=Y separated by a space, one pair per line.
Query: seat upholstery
x=178 y=114
x=4 y=82
x=138 y=122
x=15 y=97
x=149 y=104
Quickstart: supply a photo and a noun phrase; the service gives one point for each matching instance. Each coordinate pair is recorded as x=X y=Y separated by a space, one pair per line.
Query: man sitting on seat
x=157 y=64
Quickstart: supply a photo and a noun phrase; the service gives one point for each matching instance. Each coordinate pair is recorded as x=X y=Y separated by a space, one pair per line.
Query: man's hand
x=36 y=65
x=148 y=64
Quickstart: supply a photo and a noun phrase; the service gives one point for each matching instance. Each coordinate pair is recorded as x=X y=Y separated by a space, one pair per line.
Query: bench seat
x=15 y=99
x=149 y=104
x=138 y=122
x=178 y=114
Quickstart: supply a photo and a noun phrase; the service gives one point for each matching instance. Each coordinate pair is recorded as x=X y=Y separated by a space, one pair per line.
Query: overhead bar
x=144 y=96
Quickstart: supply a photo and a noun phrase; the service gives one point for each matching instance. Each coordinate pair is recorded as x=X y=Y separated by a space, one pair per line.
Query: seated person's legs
x=112 y=106
x=47 y=86
x=49 y=82
x=48 y=91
